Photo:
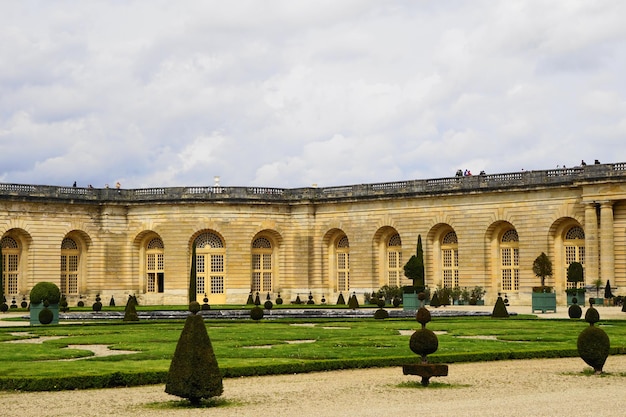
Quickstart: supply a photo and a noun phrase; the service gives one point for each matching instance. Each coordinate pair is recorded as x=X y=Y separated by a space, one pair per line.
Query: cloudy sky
x=288 y=93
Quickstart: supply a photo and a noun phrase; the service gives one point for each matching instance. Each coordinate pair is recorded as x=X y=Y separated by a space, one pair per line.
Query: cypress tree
x=414 y=268
x=192 y=275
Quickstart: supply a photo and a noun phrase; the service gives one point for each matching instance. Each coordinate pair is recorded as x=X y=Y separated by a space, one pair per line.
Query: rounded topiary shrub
x=574 y=311
x=46 y=316
x=97 y=306
x=256 y=313
x=45 y=291
x=268 y=305
x=593 y=347
x=4 y=307
x=381 y=314
x=279 y=299
x=424 y=342
x=396 y=301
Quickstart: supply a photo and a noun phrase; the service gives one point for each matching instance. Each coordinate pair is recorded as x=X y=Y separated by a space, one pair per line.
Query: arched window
x=509 y=261
x=155 y=276
x=10 y=265
x=342 y=250
x=450 y=260
x=210 y=266
x=261 y=265
x=70 y=256
x=395 y=270
x=574 y=248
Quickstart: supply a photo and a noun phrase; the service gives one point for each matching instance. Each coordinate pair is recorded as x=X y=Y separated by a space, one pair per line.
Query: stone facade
x=483 y=230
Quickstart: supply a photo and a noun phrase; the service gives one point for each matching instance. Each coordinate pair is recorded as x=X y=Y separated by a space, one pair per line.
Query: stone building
x=482 y=230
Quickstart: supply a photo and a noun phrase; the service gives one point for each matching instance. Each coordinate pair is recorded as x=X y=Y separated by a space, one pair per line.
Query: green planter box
x=410 y=302
x=35 y=309
x=544 y=301
x=580 y=297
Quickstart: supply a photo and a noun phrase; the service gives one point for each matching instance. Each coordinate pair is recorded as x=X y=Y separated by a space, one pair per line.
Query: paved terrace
x=476 y=183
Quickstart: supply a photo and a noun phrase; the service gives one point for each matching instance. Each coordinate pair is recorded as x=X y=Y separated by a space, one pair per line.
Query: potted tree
x=575 y=276
x=542 y=297
x=44 y=304
x=414 y=270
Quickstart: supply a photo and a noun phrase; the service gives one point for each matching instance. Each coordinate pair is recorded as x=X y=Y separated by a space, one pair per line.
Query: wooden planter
x=544 y=301
x=35 y=309
x=410 y=302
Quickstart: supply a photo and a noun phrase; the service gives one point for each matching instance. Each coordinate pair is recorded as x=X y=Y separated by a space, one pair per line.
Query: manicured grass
x=244 y=347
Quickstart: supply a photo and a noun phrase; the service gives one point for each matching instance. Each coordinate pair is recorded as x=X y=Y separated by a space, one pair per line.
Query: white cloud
x=284 y=93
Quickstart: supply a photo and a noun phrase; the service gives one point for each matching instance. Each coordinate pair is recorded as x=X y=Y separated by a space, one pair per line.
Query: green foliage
x=575 y=272
x=45 y=291
x=542 y=267
x=389 y=292
x=194 y=373
x=193 y=286
x=268 y=305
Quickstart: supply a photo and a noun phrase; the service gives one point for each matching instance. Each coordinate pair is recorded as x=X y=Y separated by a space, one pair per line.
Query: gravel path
x=543 y=387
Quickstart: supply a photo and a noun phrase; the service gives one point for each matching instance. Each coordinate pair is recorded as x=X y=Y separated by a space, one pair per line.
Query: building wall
x=112 y=233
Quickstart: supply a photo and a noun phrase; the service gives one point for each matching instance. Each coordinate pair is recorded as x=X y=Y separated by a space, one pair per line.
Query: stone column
x=607 y=254
x=591 y=244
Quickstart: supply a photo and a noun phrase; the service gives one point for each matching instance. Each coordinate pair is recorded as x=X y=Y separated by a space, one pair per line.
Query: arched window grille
x=450 y=260
x=10 y=265
x=210 y=264
x=155 y=266
x=262 y=272
x=70 y=256
x=343 y=264
x=395 y=270
x=509 y=261
x=574 y=244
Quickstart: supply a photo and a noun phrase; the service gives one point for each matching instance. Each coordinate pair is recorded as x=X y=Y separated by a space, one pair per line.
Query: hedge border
x=120 y=379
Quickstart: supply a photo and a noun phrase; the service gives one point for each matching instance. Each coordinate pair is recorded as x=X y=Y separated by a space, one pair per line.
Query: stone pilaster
x=607 y=257
x=592 y=265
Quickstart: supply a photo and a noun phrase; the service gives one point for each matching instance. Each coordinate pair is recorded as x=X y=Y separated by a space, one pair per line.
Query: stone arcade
x=483 y=230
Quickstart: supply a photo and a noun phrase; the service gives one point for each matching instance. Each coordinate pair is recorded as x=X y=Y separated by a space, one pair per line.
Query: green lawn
x=245 y=347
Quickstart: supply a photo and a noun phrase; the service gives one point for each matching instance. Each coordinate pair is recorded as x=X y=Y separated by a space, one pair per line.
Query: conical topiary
x=130 y=312
x=499 y=309
x=340 y=300
x=353 y=302
x=593 y=342
x=194 y=373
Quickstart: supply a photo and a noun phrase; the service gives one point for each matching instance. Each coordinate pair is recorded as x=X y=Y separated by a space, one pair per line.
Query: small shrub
x=279 y=299
x=268 y=305
x=46 y=316
x=381 y=314
x=256 y=313
x=574 y=311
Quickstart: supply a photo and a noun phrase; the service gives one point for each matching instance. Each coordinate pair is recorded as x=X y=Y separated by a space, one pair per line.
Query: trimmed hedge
x=119 y=379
